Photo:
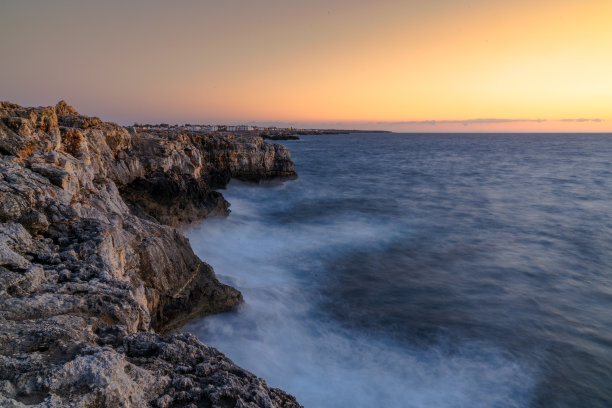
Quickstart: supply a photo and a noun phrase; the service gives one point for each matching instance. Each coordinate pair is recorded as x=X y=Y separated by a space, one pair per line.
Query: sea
x=423 y=270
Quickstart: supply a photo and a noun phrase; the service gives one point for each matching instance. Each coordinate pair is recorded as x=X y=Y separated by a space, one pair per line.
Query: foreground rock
x=89 y=273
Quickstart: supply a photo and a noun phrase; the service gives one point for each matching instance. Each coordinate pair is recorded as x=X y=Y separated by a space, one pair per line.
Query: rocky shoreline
x=93 y=271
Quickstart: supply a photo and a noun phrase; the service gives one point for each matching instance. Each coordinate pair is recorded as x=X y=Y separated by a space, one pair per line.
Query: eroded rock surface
x=89 y=272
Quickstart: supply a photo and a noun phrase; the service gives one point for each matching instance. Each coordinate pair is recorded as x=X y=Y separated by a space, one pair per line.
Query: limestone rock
x=91 y=268
x=35 y=222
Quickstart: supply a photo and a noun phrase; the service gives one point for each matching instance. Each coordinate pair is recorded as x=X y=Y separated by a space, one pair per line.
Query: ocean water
x=402 y=270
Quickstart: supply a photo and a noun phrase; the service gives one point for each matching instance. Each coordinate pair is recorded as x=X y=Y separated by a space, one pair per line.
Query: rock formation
x=92 y=273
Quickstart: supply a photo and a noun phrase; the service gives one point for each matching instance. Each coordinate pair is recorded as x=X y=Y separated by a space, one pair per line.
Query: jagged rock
x=35 y=222
x=88 y=273
x=177 y=171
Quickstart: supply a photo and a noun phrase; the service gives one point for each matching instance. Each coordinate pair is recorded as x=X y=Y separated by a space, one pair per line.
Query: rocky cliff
x=92 y=273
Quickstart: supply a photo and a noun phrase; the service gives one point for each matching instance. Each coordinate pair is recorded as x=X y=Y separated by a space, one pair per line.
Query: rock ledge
x=91 y=268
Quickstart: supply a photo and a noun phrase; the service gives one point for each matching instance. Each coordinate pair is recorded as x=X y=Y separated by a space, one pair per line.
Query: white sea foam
x=281 y=336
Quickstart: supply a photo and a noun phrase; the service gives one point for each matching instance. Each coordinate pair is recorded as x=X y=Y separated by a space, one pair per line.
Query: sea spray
x=423 y=271
x=281 y=335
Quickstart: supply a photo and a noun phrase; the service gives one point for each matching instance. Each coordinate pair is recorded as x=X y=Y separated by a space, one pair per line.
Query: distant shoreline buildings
x=271 y=132
x=214 y=128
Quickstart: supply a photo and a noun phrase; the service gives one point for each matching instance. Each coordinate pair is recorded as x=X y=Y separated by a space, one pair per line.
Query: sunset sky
x=440 y=65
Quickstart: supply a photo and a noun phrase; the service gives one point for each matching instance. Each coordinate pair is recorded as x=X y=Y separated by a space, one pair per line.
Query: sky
x=433 y=66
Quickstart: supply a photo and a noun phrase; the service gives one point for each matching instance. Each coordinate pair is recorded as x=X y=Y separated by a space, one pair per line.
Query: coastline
x=93 y=270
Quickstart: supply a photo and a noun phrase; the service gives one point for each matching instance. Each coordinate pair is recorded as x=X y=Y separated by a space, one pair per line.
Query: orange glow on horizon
x=341 y=62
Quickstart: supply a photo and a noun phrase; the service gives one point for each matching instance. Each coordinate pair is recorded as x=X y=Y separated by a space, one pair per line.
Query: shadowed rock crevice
x=91 y=267
x=171 y=175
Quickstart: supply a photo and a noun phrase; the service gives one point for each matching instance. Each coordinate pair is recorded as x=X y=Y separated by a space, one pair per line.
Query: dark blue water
x=424 y=271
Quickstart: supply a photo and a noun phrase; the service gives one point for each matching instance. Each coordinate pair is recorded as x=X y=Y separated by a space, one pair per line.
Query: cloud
x=581 y=120
x=464 y=122
x=483 y=121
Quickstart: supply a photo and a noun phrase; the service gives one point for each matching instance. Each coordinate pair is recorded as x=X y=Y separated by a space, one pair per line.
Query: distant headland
x=266 y=132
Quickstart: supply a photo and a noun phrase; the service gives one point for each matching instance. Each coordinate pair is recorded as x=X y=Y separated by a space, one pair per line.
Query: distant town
x=267 y=132
x=215 y=128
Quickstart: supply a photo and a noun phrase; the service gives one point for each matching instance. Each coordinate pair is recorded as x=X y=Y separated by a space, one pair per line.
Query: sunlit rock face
x=170 y=175
x=91 y=268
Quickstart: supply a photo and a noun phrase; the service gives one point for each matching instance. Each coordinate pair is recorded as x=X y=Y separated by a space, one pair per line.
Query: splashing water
x=422 y=271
